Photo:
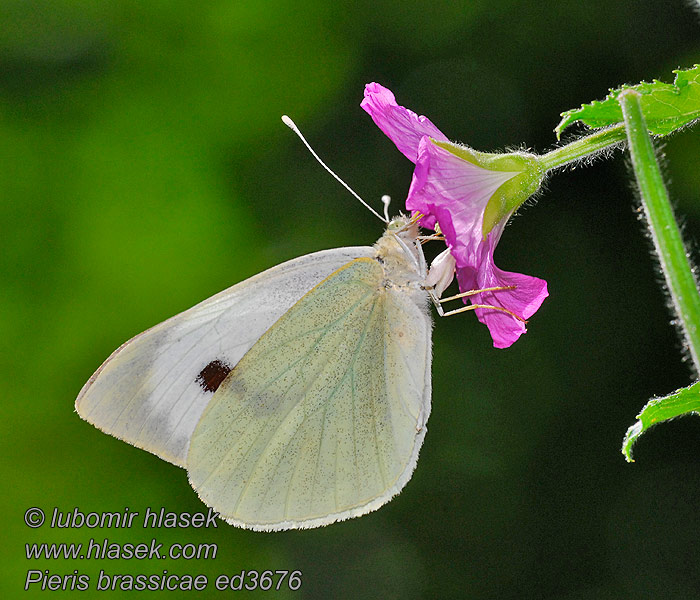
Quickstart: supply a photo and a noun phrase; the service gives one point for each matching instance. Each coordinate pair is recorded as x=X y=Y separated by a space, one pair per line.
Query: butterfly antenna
x=289 y=123
x=387 y=201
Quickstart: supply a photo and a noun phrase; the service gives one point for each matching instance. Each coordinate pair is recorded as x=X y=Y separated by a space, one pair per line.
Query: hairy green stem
x=583 y=147
x=663 y=226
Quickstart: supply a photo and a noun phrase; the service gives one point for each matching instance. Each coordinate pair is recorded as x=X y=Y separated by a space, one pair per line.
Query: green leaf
x=666 y=107
x=685 y=401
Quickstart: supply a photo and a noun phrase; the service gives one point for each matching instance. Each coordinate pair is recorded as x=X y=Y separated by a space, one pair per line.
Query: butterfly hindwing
x=323 y=417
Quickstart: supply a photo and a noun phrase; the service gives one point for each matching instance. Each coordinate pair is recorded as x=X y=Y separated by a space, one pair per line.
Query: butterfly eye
x=396 y=224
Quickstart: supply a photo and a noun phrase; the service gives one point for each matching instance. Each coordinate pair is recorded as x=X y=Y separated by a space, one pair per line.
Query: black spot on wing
x=213 y=375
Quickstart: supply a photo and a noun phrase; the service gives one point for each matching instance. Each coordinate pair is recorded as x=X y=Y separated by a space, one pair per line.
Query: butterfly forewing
x=323 y=418
x=152 y=391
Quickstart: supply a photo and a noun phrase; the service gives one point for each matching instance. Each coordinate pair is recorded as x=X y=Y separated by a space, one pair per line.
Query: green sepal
x=666 y=107
x=507 y=198
x=685 y=401
x=526 y=180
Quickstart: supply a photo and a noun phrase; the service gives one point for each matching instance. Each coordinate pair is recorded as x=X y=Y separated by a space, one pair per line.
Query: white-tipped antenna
x=289 y=123
x=387 y=201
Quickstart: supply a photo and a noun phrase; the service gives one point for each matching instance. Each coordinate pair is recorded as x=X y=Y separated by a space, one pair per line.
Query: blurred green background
x=145 y=167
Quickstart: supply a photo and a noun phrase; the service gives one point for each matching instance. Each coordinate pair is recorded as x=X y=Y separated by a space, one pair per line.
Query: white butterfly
x=294 y=399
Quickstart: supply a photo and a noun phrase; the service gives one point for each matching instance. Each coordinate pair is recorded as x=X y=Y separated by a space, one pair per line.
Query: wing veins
x=325 y=327
x=335 y=389
x=413 y=381
x=325 y=330
x=376 y=439
x=211 y=311
x=354 y=440
x=163 y=395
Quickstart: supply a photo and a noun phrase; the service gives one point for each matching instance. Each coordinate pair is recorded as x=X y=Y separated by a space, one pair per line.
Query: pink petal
x=454 y=192
x=403 y=127
x=524 y=300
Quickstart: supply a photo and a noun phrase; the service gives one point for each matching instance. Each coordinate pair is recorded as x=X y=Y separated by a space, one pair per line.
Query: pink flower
x=470 y=195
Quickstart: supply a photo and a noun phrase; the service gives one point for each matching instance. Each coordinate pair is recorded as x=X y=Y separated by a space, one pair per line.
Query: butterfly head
x=399 y=250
